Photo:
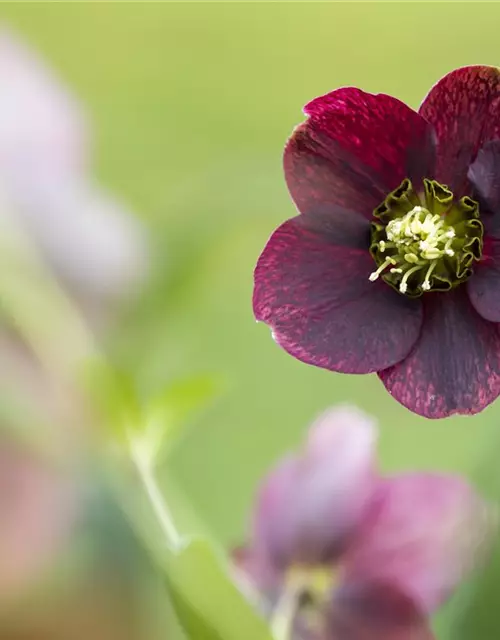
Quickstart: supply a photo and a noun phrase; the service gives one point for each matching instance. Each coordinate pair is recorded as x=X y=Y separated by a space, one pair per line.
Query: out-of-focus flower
x=374 y=612
x=96 y=251
x=393 y=264
x=344 y=540
x=96 y=247
x=37 y=511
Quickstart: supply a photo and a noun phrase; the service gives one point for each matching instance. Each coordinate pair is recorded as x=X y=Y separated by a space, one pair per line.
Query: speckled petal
x=354 y=148
x=454 y=366
x=313 y=289
x=464 y=108
x=426 y=535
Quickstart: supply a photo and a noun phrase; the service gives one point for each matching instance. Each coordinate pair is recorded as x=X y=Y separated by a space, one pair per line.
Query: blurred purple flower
x=398 y=239
x=93 y=243
x=97 y=251
x=330 y=528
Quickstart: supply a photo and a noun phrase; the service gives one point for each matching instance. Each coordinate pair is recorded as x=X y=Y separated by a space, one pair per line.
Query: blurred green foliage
x=192 y=104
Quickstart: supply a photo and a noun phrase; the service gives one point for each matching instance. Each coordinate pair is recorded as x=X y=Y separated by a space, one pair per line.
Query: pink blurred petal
x=273 y=535
x=94 y=243
x=337 y=476
x=41 y=125
x=37 y=512
x=424 y=538
x=309 y=505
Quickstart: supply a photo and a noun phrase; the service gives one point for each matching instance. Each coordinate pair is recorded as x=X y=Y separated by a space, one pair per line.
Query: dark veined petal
x=464 y=108
x=454 y=366
x=484 y=285
x=484 y=176
x=375 y=611
x=354 y=148
x=427 y=533
x=317 y=297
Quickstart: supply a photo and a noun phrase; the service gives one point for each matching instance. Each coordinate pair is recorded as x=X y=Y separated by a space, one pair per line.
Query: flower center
x=425 y=242
x=306 y=593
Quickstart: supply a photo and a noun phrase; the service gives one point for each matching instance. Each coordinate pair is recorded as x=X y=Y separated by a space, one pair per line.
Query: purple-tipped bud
x=311 y=503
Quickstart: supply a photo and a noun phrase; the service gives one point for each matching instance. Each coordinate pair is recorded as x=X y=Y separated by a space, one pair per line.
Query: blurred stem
x=38 y=307
x=155 y=496
x=50 y=323
x=283 y=618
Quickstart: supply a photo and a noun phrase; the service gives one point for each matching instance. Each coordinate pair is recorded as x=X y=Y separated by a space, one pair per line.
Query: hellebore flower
x=393 y=263
x=351 y=553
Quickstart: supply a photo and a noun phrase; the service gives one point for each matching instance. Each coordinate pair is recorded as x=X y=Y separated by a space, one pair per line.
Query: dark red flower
x=393 y=263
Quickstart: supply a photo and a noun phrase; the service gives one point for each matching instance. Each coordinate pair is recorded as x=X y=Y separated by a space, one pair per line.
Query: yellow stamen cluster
x=418 y=240
x=425 y=240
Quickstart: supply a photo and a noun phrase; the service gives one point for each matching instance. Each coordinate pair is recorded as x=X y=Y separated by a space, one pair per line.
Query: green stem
x=155 y=497
x=48 y=320
x=38 y=307
x=51 y=324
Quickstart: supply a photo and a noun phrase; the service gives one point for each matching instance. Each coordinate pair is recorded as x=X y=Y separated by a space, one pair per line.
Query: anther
x=403 y=287
x=411 y=257
x=426 y=284
x=373 y=276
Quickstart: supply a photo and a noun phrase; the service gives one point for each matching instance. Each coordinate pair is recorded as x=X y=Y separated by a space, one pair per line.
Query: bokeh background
x=190 y=106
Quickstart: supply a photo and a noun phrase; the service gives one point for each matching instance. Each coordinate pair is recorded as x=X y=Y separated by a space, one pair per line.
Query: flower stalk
x=284 y=615
x=156 y=499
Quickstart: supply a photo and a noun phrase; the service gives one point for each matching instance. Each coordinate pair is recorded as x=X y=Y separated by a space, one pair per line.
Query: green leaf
x=115 y=396
x=168 y=412
x=192 y=623
x=474 y=613
x=152 y=426
x=209 y=606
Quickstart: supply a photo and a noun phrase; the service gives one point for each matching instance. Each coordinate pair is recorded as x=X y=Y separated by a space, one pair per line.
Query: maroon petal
x=484 y=286
x=464 y=107
x=455 y=365
x=484 y=175
x=322 y=307
x=375 y=611
x=354 y=148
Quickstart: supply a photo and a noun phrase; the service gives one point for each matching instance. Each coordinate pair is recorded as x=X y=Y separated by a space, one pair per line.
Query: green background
x=192 y=104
